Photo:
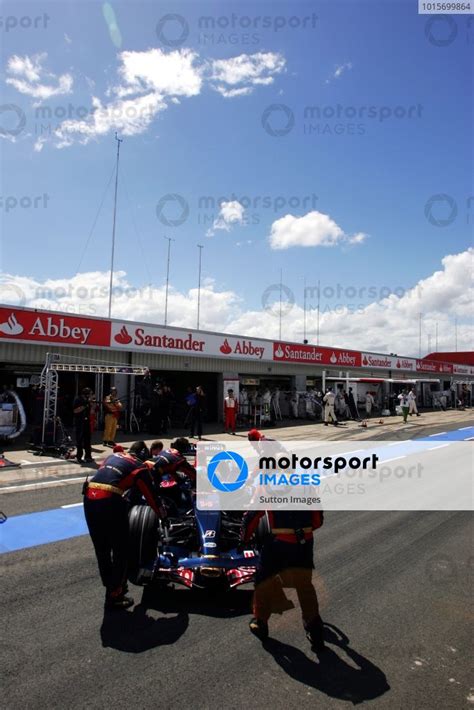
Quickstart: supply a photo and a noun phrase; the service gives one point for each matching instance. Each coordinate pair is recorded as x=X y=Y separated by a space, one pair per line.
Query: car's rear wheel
x=143 y=542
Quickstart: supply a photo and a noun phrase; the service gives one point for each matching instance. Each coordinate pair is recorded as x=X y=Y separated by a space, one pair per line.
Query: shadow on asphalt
x=224 y=605
x=135 y=631
x=353 y=682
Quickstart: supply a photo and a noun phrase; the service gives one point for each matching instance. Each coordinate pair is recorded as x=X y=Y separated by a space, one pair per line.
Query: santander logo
x=377 y=361
x=11 y=326
x=225 y=348
x=124 y=338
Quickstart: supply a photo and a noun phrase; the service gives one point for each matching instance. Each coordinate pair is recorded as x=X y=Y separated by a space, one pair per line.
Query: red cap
x=254 y=435
x=118 y=449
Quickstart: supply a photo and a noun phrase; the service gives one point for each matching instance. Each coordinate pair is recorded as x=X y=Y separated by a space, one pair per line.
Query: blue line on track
x=455 y=435
x=33 y=529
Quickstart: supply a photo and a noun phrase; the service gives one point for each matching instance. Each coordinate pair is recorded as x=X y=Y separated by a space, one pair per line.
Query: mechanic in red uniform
x=168 y=464
x=173 y=461
x=286 y=558
x=106 y=512
x=230 y=411
x=256 y=435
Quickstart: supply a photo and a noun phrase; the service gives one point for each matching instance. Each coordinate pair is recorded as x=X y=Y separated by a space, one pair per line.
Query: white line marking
x=25 y=461
x=24 y=486
x=469 y=438
x=346 y=453
x=396 y=443
x=395 y=459
x=441 y=446
x=438 y=434
x=463 y=428
x=71 y=505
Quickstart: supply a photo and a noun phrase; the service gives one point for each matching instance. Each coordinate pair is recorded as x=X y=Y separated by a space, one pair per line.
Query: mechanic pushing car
x=106 y=512
x=168 y=465
x=286 y=559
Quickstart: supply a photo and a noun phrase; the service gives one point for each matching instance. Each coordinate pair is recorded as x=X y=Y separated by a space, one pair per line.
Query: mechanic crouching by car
x=106 y=512
x=169 y=463
x=286 y=558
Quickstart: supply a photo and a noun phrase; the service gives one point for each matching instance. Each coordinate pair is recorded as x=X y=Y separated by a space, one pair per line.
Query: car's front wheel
x=143 y=542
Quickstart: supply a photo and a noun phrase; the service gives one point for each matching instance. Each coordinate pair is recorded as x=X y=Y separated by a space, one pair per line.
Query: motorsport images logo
x=227 y=457
x=333 y=475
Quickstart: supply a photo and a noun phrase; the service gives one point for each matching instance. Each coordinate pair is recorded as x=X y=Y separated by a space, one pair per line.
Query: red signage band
x=313 y=354
x=41 y=326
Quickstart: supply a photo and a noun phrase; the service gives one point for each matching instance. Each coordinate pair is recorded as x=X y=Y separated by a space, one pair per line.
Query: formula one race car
x=197 y=549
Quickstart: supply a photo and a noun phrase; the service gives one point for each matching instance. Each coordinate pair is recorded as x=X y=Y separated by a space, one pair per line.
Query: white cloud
x=388 y=324
x=230 y=214
x=238 y=76
x=147 y=83
x=28 y=76
x=339 y=69
x=313 y=229
x=88 y=293
x=358 y=238
x=127 y=116
x=169 y=74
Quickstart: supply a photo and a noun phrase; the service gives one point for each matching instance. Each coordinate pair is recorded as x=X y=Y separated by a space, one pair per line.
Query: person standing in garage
x=352 y=405
x=404 y=404
x=412 y=408
x=82 y=424
x=196 y=411
x=329 y=413
x=112 y=407
x=106 y=512
x=369 y=403
x=230 y=412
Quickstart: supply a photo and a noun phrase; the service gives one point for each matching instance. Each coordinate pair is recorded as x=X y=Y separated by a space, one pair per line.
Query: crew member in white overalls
x=412 y=408
x=329 y=413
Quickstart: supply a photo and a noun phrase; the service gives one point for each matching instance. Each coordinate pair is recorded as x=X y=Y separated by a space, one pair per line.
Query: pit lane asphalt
x=397 y=585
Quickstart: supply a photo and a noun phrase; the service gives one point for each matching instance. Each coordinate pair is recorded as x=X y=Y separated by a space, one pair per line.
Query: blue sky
x=371 y=177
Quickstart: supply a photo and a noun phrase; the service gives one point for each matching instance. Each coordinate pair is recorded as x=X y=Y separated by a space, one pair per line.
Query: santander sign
x=290 y=352
x=162 y=339
x=148 y=338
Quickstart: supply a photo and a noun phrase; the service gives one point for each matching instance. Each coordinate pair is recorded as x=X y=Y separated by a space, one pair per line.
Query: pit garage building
x=96 y=349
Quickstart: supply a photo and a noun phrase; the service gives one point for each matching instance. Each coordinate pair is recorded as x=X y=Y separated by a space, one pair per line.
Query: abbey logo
x=242 y=347
x=53 y=328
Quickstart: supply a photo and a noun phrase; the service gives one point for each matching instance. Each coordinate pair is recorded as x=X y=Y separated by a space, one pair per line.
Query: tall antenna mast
x=420 y=316
x=319 y=304
x=169 y=240
x=281 y=289
x=200 y=247
x=119 y=140
x=304 y=310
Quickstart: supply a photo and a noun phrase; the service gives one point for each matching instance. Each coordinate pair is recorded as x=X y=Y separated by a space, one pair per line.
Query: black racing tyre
x=262 y=532
x=143 y=541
